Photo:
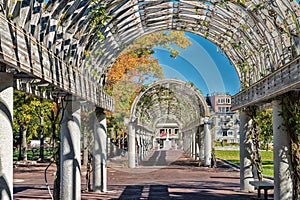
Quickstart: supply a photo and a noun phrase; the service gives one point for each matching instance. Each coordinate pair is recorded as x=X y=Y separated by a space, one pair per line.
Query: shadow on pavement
x=18 y=189
x=158 y=158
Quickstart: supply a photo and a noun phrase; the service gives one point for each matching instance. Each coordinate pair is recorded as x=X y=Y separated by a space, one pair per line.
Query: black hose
x=46 y=181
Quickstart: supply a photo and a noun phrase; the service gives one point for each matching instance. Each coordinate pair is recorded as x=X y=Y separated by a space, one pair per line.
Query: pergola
x=50 y=50
x=166 y=100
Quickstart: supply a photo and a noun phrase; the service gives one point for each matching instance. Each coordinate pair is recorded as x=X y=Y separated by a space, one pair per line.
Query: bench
x=262 y=185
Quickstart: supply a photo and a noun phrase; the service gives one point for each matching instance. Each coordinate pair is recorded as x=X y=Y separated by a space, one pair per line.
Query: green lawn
x=234 y=157
x=32 y=155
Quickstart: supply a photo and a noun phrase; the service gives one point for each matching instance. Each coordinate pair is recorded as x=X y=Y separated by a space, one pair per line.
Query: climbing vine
x=291 y=119
x=99 y=17
x=252 y=139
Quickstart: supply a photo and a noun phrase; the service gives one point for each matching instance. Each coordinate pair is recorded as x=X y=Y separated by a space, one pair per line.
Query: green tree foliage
x=98 y=18
x=30 y=120
x=291 y=117
x=165 y=39
x=265 y=127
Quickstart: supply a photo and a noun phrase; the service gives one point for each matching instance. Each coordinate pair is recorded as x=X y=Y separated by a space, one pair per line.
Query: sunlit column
x=70 y=181
x=6 y=136
x=143 y=143
x=131 y=144
x=207 y=143
x=193 y=144
x=246 y=167
x=201 y=146
x=180 y=141
x=139 y=148
x=99 y=153
x=283 y=187
x=190 y=143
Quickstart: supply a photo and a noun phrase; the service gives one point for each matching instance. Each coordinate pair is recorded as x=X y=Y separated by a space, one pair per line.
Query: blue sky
x=201 y=63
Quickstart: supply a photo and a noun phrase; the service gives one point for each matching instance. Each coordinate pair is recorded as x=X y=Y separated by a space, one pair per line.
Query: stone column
x=139 y=153
x=200 y=144
x=131 y=144
x=147 y=144
x=246 y=167
x=283 y=186
x=207 y=143
x=143 y=147
x=194 y=144
x=99 y=153
x=191 y=143
x=6 y=136
x=180 y=141
x=70 y=181
x=186 y=142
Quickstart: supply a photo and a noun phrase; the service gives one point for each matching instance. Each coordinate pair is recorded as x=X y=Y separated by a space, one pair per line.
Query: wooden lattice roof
x=260 y=37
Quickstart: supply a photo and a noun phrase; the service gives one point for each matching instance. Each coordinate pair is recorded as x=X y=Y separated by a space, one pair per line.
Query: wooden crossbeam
x=277 y=83
x=21 y=51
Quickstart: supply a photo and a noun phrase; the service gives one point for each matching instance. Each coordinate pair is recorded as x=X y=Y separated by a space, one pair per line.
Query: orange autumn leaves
x=126 y=63
x=138 y=55
x=136 y=67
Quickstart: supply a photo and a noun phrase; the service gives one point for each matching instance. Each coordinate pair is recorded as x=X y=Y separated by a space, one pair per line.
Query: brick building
x=225 y=122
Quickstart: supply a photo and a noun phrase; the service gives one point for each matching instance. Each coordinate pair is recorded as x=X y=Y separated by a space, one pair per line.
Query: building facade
x=225 y=122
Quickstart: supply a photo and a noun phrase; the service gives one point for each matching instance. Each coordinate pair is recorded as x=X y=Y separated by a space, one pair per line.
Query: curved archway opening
x=173 y=111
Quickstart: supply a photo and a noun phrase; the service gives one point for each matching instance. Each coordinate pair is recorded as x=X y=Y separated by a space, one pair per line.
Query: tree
x=53 y=117
x=23 y=116
x=291 y=120
x=29 y=120
x=136 y=66
x=43 y=111
x=265 y=127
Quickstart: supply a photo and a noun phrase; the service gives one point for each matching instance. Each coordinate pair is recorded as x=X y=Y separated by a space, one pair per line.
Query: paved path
x=165 y=175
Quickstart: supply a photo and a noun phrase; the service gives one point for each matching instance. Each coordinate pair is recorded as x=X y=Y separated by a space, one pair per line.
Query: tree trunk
x=85 y=147
x=23 y=144
x=56 y=150
x=41 y=131
x=42 y=139
x=20 y=145
x=42 y=144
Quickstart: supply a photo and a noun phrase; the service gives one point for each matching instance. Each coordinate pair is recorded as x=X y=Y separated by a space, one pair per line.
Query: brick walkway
x=159 y=178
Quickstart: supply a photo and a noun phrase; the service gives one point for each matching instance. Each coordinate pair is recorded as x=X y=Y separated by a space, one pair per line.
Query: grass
x=234 y=157
x=31 y=155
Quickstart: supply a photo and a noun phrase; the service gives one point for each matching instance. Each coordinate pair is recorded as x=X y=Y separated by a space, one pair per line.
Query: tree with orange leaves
x=136 y=66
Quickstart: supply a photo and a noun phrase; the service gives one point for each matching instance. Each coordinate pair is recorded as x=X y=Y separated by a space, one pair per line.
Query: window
x=221 y=109
x=224 y=133
x=230 y=133
x=227 y=109
x=228 y=101
x=224 y=101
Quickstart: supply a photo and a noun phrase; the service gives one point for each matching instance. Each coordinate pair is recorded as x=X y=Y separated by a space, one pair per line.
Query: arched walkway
x=44 y=48
x=170 y=103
